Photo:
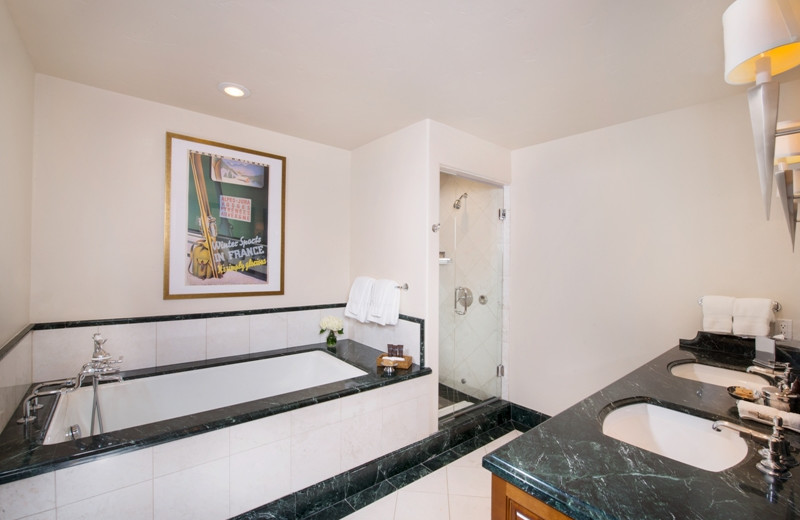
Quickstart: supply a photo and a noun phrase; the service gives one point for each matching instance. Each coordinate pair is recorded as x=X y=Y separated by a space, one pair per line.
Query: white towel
x=718 y=313
x=360 y=297
x=384 y=307
x=764 y=414
x=752 y=316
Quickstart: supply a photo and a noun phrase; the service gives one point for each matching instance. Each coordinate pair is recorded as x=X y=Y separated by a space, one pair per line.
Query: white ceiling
x=344 y=72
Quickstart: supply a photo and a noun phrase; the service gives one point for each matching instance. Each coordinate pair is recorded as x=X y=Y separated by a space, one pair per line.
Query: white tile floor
x=461 y=490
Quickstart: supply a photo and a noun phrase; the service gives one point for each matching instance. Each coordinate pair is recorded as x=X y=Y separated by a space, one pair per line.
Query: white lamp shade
x=753 y=29
x=787 y=147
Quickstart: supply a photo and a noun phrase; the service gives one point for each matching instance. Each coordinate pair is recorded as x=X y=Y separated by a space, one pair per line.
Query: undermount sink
x=718 y=376
x=675 y=435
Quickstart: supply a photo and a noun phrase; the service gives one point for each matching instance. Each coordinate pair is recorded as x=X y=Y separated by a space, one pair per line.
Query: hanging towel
x=718 y=314
x=384 y=307
x=752 y=316
x=764 y=414
x=360 y=296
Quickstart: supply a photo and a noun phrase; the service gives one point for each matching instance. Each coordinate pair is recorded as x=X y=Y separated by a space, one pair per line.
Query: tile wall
x=46 y=354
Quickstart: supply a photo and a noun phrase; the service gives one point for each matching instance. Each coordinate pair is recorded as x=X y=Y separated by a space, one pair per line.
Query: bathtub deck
x=23 y=457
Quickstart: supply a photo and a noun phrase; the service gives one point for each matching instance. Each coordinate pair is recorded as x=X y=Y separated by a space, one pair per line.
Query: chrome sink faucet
x=777 y=459
x=778 y=373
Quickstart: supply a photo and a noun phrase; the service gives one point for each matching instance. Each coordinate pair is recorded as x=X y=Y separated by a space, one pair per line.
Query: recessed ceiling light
x=234 y=90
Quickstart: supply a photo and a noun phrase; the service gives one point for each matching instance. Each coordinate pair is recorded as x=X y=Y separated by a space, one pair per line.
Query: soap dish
x=405 y=364
x=743 y=393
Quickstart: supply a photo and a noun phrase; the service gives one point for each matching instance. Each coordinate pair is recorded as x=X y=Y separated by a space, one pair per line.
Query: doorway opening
x=471 y=239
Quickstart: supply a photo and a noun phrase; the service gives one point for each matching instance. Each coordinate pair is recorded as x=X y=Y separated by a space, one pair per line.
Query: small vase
x=331 y=341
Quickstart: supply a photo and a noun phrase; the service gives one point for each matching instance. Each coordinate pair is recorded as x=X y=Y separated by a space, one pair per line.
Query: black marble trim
x=9 y=346
x=725 y=344
x=421 y=324
x=22 y=454
x=179 y=317
x=352 y=490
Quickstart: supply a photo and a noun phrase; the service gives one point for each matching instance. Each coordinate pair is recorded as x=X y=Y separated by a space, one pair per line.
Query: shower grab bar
x=776 y=306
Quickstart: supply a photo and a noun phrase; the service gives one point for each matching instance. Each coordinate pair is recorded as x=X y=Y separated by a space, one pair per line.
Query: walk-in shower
x=470 y=292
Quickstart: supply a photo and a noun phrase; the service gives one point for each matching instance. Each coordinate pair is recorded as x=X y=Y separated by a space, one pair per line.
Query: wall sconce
x=787 y=176
x=762 y=40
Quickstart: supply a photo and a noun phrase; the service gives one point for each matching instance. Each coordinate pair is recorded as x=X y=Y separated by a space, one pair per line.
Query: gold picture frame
x=224 y=219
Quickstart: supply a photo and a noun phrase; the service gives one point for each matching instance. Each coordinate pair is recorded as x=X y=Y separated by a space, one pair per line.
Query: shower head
x=457 y=203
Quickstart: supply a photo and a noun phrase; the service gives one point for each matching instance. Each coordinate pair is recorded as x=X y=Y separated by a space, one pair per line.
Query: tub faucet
x=31 y=402
x=100 y=368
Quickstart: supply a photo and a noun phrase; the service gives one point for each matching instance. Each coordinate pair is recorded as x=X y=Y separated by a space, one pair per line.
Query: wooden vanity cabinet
x=511 y=503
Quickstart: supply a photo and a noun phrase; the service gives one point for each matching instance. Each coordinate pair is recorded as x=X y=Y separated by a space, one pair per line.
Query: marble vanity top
x=570 y=465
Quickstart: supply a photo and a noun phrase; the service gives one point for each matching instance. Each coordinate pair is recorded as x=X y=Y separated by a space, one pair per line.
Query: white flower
x=331 y=323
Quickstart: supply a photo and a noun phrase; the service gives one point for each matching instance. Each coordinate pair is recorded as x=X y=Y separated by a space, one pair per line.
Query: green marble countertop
x=569 y=464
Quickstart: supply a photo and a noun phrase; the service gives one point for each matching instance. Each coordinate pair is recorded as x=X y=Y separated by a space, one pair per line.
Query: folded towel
x=359 y=300
x=764 y=414
x=752 y=316
x=718 y=313
x=384 y=307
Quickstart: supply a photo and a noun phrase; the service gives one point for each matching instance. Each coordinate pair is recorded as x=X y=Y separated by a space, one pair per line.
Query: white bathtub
x=152 y=399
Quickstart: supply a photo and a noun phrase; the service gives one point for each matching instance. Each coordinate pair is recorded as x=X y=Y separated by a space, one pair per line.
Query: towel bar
x=776 y=306
x=403 y=287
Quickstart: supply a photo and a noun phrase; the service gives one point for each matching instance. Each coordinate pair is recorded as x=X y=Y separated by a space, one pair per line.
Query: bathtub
x=137 y=402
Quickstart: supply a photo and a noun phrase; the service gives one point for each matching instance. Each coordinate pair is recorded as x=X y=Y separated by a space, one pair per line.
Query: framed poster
x=224 y=220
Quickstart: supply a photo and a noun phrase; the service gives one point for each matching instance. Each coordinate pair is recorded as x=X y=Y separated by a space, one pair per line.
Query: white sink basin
x=676 y=435
x=718 y=376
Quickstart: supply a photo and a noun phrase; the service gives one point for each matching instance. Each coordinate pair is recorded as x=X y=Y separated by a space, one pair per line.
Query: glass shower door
x=470 y=292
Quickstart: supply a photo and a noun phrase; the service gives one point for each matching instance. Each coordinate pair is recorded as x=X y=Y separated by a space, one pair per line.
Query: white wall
x=617 y=232
x=453 y=149
x=16 y=150
x=388 y=212
x=395 y=201
x=98 y=207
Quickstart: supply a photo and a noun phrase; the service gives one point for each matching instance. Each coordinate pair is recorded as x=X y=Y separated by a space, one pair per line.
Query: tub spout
x=31 y=402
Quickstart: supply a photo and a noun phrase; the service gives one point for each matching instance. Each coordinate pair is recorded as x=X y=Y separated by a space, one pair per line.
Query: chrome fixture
x=73 y=433
x=778 y=373
x=777 y=459
x=457 y=203
x=31 y=402
x=463 y=298
x=435 y=227
x=100 y=368
x=778 y=396
x=761 y=40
